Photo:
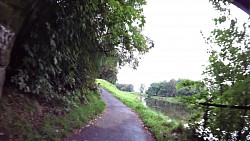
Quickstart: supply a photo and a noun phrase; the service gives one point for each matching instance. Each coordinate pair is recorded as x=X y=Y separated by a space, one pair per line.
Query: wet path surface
x=118 y=123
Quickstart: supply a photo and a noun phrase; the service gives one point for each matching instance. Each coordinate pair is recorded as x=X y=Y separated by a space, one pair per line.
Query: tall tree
x=142 y=88
x=186 y=87
x=125 y=87
x=171 y=87
x=226 y=101
x=153 y=89
x=163 y=88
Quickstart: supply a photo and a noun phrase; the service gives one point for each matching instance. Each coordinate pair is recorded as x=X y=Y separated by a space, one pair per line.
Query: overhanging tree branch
x=247 y=107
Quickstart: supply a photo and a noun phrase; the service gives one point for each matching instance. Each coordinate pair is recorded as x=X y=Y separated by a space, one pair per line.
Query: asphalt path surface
x=118 y=123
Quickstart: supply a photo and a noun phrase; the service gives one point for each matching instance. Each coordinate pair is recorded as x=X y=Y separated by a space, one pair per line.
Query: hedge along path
x=118 y=123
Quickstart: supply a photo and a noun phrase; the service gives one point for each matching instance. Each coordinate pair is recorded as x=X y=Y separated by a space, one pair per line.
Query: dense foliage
x=142 y=88
x=125 y=87
x=109 y=70
x=187 y=87
x=71 y=43
x=163 y=88
x=225 y=102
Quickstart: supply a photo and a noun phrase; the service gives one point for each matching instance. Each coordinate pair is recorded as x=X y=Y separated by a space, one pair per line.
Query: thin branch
x=247 y=107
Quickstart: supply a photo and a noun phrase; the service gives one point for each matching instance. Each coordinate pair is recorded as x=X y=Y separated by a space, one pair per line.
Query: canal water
x=172 y=110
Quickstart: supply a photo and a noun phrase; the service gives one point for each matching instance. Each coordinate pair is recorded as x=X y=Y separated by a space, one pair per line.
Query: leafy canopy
x=224 y=103
x=68 y=42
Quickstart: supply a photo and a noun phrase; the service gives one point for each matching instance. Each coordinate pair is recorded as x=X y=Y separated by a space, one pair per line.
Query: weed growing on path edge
x=160 y=125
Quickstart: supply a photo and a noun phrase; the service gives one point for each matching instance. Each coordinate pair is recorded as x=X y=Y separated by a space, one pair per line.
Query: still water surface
x=172 y=110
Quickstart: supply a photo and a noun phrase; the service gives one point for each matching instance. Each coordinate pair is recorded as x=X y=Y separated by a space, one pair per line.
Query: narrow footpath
x=118 y=123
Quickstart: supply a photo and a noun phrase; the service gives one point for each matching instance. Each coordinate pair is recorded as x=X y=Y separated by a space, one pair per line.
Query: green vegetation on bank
x=139 y=94
x=161 y=126
x=168 y=99
x=173 y=88
x=30 y=119
x=223 y=101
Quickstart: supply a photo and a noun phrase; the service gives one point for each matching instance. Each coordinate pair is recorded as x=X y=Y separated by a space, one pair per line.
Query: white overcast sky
x=180 y=51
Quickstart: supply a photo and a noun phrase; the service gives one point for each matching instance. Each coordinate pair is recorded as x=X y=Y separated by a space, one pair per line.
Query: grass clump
x=160 y=125
x=25 y=118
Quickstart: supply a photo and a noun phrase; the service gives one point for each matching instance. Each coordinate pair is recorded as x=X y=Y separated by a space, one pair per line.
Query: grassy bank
x=24 y=118
x=168 y=99
x=139 y=94
x=161 y=126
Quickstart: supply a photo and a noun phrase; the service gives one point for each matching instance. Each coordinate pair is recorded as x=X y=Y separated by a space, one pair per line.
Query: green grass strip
x=80 y=116
x=168 y=99
x=17 y=121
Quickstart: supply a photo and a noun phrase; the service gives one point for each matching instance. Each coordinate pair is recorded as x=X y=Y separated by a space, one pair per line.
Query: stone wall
x=12 y=15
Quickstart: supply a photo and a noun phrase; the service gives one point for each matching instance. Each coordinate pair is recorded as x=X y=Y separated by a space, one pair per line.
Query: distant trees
x=157 y=88
x=125 y=87
x=180 y=87
x=172 y=88
x=142 y=88
x=186 y=87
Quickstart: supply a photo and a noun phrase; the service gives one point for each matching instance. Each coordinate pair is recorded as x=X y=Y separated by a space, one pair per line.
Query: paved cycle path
x=118 y=123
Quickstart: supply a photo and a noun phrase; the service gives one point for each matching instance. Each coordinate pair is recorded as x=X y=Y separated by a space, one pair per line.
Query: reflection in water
x=172 y=110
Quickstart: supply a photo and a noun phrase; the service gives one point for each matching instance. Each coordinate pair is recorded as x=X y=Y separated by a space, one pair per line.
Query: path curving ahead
x=118 y=123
